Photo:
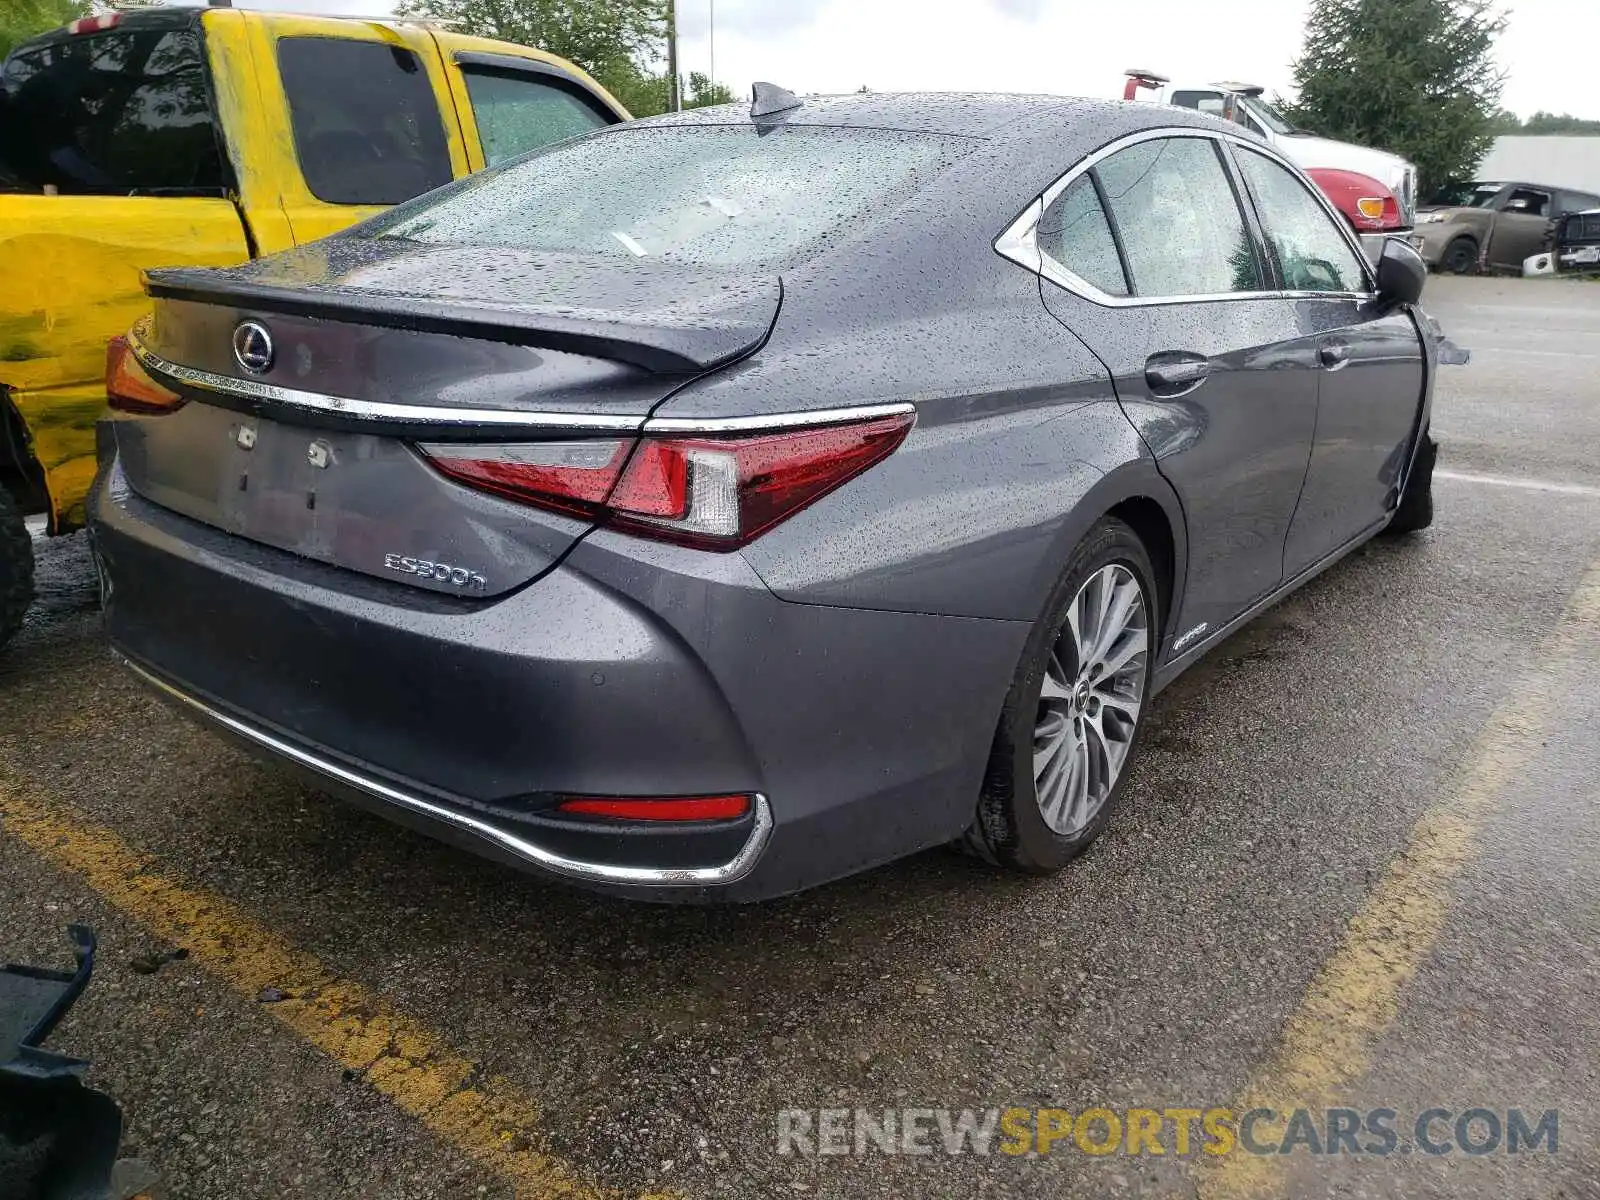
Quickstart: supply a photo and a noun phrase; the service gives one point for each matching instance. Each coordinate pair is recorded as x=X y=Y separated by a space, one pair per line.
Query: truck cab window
x=120 y=113
x=1206 y=102
x=366 y=124
x=518 y=112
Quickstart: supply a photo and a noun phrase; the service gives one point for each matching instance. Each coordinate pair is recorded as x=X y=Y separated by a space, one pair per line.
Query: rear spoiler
x=666 y=348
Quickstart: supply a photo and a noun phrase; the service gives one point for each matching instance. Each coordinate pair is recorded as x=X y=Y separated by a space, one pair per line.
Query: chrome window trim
x=422 y=414
x=1018 y=242
x=731 y=871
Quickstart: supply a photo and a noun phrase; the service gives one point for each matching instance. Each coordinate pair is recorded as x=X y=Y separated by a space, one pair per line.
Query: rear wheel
x=16 y=567
x=1460 y=256
x=1071 y=720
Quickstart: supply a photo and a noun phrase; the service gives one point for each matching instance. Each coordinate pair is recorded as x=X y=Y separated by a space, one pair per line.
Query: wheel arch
x=1137 y=494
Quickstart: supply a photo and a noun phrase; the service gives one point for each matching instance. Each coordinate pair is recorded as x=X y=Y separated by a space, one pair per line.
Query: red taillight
x=129 y=389
x=95 y=24
x=665 y=808
x=715 y=492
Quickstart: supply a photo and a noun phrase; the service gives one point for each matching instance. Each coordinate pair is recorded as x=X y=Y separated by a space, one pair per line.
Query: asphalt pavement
x=1356 y=868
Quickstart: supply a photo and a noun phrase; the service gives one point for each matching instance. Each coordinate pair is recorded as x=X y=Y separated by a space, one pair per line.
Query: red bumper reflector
x=666 y=808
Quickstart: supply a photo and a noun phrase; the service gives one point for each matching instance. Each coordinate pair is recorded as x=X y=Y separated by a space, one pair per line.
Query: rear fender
x=974 y=516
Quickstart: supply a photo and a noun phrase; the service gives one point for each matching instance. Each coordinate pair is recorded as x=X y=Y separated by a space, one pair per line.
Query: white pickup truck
x=1338 y=168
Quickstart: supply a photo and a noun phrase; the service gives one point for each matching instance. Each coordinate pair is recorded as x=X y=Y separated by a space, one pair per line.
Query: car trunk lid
x=371 y=348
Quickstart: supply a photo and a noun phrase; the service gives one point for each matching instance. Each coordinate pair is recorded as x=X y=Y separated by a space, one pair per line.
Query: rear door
x=1520 y=226
x=1150 y=258
x=1369 y=364
x=364 y=111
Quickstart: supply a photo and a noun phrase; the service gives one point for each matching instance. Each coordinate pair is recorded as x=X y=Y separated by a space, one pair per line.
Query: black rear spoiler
x=665 y=347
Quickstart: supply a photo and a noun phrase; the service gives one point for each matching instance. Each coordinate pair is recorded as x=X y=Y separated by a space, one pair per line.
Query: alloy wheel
x=1090 y=700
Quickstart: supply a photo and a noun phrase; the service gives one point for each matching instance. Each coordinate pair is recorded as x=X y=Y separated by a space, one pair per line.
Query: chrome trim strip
x=783 y=420
x=730 y=872
x=1018 y=241
x=417 y=414
x=379 y=410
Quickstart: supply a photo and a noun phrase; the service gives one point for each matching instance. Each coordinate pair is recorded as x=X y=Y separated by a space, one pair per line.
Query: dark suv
x=1494 y=225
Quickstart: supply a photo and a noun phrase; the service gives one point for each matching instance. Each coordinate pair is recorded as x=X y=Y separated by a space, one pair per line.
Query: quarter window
x=122 y=113
x=1180 y=224
x=1075 y=233
x=1312 y=253
x=366 y=124
x=517 y=112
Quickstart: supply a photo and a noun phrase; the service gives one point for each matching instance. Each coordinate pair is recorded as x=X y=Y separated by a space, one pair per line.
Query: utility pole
x=711 y=36
x=674 y=92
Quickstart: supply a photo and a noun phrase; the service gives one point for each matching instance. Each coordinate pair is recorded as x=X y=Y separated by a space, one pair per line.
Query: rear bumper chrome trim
x=730 y=872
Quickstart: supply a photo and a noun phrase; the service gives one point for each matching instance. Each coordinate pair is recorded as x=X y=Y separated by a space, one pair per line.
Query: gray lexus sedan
x=722 y=503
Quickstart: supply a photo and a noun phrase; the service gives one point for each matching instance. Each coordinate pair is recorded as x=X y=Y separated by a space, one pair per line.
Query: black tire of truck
x=16 y=568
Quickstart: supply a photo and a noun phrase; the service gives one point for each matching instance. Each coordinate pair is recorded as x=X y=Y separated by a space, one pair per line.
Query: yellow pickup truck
x=204 y=137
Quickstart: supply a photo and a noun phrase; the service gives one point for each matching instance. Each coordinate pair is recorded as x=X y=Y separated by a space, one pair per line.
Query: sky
x=1075 y=47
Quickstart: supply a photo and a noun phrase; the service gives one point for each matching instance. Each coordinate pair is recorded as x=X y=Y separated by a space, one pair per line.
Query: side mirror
x=1520 y=205
x=1401 y=273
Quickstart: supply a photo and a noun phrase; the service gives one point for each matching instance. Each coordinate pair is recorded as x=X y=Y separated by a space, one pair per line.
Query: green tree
x=23 y=19
x=1417 y=77
x=1548 y=123
x=704 y=92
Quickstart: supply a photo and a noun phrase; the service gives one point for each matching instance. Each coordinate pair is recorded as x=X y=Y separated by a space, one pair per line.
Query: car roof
x=991 y=115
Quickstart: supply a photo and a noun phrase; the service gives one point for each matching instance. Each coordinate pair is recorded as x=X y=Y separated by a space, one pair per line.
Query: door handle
x=1334 y=354
x=1175 y=372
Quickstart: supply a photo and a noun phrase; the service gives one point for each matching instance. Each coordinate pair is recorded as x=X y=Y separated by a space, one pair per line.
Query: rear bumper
x=495 y=837
x=629 y=670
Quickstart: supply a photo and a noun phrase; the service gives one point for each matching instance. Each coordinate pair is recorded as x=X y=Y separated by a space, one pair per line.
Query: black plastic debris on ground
x=58 y=1137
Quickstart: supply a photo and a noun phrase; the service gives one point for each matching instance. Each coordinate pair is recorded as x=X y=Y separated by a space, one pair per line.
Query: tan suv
x=1465 y=226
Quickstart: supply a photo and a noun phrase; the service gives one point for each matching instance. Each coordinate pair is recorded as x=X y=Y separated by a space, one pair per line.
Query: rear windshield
x=716 y=196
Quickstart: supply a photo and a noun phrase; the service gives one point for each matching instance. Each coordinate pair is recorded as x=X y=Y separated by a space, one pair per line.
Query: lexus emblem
x=252 y=347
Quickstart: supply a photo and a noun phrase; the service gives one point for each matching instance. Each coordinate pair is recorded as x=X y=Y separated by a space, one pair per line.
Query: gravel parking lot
x=1356 y=866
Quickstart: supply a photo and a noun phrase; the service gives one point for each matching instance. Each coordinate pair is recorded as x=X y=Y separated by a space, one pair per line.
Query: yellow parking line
x=1327 y=1042
x=488 y=1119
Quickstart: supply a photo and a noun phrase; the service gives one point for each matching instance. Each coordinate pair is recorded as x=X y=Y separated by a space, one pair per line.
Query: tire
x=16 y=568
x=1052 y=702
x=1415 y=510
x=1460 y=257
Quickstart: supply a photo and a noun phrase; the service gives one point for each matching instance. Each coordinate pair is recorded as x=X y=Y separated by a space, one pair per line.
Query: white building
x=1572 y=162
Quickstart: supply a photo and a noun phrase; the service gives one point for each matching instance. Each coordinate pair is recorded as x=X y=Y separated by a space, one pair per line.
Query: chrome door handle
x=1334 y=354
x=1175 y=372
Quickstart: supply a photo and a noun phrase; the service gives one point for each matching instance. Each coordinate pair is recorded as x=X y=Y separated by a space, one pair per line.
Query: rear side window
x=518 y=112
x=1312 y=253
x=366 y=125
x=123 y=113
x=1179 y=220
x=717 y=196
x=1075 y=233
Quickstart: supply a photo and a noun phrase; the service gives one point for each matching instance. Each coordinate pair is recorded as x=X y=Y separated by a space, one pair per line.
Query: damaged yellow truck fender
x=69 y=273
x=70 y=263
